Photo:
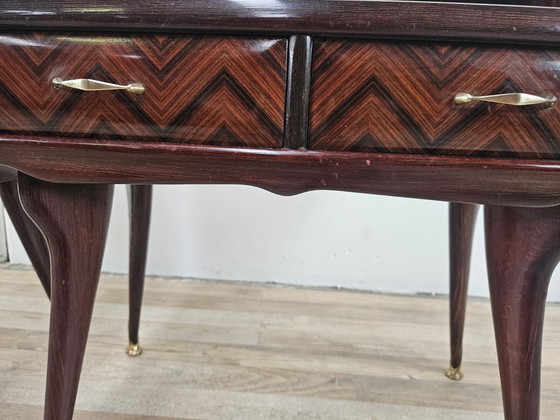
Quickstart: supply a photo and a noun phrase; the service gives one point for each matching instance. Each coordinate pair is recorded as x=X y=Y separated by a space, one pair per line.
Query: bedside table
x=411 y=99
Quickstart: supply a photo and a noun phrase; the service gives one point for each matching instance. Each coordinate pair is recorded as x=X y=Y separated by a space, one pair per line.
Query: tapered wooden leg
x=462 y=218
x=30 y=236
x=522 y=248
x=74 y=220
x=140 y=208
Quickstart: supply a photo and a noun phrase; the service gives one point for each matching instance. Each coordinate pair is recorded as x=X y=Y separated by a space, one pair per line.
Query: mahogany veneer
x=398 y=98
x=352 y=18
x=201 y=90
x=217 y=93
x=80 y=245
x=462 y=219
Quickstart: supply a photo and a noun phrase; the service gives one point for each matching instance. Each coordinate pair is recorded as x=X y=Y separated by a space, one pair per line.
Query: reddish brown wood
x=298 y=91
x=140 y=207
x=106 y=157
x=462 y=219
x=74 y=220
x=31 y=237
x=202 y=90
x=522 y=248
x=364 y=18
x=399 y=98
x=476 y=180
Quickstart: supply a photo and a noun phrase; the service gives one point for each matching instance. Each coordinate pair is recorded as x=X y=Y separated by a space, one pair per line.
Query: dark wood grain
x=7 y=174
x=202 y=90
x=462 y=219
x=363 y=18
x=140 y=208
x=522 y=249
x=477 y=180
x=31 y=237
x=74 y=220
x=116 y=138
x=298 y=91
x=398 y=98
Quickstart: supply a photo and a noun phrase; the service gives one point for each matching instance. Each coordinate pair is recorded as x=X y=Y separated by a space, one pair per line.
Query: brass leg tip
x=133 y=350
x=454 y=373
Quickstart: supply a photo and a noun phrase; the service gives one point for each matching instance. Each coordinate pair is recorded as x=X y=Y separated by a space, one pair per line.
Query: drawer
x=399 y=98
x=198 y=89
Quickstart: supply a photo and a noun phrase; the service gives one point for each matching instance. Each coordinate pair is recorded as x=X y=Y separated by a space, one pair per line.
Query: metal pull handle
x=93 y=85
x=518 y=99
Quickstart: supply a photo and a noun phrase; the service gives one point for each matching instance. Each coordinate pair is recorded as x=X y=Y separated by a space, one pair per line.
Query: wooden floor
x=218 y=350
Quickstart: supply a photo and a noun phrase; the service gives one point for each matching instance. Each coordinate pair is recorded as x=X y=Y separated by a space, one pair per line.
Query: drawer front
x=399 y=98
x=200 y=90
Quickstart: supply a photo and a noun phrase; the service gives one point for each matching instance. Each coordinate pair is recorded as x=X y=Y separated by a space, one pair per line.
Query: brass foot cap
x=454 y=373
x=133 y=350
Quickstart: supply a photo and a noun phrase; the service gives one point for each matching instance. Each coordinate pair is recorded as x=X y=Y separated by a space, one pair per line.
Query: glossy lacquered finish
x=202 y=90
x=522 y=249
x=140 y=210
x=477 y=180
x=462 y=217
x=353 y=18
x=399 y=98
x=30 y=236
x=137 y=139
x=7 y=174
x=297 y=95
x=74 y=220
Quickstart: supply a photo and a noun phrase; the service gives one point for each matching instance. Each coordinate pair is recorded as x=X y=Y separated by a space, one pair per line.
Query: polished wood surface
x=353 y=18
x=476 y=180
x=522 y=249
x=202 y=90
x=140 y=202
x=148 y=153
x=462 y=218
x=297 y=95
x=140 y=210
x=30 y=236
x=74 y=220
x=7 y=174
x=399 y=98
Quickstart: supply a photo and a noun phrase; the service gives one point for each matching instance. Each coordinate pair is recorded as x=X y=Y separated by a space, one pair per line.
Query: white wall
x=320 y=238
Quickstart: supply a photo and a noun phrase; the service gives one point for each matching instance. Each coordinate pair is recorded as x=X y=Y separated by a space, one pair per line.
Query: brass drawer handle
x=93 y=85
x=518 y=99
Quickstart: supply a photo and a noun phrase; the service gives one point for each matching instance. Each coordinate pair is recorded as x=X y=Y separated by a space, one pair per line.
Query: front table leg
x=74 y=220
x=523 y=248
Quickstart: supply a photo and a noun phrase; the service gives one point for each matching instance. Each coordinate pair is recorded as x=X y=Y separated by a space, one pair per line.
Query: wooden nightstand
x=288 y=96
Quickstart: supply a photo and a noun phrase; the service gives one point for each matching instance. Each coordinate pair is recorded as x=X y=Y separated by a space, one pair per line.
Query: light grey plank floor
x=218 y=350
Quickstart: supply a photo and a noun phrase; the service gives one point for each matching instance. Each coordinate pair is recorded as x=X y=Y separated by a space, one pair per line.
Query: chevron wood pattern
x=200 y=90
x=398 y=97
